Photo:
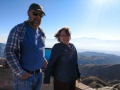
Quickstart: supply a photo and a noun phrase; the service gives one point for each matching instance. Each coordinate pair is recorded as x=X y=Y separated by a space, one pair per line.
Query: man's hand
x=45 y=63
x=46 y=85
x=25 y=76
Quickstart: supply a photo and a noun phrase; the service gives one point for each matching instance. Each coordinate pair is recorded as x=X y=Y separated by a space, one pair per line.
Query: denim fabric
x=31 y=83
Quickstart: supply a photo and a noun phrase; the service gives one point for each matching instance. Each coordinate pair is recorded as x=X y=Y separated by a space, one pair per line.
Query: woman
x=63 y=66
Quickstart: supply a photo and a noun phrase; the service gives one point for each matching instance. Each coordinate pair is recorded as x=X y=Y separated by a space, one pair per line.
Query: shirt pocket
x=43 y=40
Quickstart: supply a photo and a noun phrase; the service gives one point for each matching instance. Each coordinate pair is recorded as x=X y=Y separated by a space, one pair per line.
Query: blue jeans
x=31 y=83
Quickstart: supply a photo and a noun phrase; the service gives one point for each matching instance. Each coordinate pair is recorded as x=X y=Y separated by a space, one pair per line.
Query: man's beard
x=35 y=24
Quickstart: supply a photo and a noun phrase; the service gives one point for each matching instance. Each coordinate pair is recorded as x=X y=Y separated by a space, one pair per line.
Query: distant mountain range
x=86 y=57
x=92 y=44
x=97 y=58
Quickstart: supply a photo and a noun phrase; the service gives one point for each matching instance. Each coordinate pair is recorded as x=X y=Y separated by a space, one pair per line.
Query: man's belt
x=33 y=72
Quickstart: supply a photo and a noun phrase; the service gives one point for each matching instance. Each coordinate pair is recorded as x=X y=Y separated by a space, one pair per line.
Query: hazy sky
x=85 y=18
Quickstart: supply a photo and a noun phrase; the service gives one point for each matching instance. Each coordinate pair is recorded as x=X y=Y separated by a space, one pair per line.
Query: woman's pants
x=58 y=85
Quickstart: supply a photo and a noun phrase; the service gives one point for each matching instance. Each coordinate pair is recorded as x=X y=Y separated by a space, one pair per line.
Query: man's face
x=35 y=17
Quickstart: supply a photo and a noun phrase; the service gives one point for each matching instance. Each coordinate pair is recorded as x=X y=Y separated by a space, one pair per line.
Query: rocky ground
x=98 y=84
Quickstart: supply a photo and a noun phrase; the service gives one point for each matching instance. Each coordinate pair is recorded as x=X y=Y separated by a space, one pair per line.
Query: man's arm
x=12 y=50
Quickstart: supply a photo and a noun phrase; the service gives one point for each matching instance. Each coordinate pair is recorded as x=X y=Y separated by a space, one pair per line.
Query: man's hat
x=35 y=6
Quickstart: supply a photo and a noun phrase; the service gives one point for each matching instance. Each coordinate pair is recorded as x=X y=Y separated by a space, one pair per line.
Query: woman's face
x=64 y=38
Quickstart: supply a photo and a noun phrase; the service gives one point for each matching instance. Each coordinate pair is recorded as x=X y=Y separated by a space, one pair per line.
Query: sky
x=98 y=19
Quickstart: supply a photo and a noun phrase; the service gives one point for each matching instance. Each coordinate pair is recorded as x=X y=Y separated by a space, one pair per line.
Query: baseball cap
x=35 y=6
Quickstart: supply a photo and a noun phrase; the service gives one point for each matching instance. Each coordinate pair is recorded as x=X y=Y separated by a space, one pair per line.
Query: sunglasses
x=36 y=14
x=64 y=35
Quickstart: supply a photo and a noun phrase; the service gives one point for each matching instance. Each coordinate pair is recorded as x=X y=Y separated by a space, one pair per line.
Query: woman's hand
x=46 y=85
x=79 y=80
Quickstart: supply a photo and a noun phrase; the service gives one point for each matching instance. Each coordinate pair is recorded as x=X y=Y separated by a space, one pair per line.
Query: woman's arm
x=53 y=57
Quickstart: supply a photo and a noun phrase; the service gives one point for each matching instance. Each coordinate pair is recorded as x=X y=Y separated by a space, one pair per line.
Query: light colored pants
x=31 y=83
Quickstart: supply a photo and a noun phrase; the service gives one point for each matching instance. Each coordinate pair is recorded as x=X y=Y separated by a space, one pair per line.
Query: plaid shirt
x=12 y=49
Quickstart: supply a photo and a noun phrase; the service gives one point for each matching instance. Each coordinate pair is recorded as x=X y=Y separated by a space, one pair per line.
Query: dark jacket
x=62 y=64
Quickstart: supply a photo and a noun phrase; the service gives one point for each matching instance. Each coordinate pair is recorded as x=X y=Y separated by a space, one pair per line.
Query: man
x=25 y=51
